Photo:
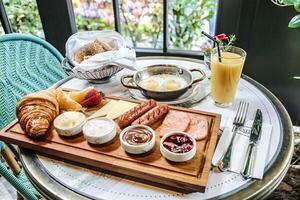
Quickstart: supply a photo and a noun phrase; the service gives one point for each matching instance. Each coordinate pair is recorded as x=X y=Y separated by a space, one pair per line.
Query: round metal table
x=50 y=176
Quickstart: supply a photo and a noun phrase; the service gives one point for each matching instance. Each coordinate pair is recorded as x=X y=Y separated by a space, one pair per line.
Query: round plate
x=182 y=99
x=59 y=180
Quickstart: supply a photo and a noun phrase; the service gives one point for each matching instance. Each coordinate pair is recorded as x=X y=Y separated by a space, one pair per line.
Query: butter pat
x=69 y=123
x=120 y=108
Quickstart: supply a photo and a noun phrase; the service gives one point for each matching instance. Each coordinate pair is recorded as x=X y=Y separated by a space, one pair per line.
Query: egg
x=150 y=84
x=163 y=82
x=171 y=85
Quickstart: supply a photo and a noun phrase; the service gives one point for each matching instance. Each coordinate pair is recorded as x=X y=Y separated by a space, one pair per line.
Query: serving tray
x=151 y=167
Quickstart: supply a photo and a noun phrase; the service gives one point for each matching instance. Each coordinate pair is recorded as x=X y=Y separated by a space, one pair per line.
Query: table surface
x=60 y=180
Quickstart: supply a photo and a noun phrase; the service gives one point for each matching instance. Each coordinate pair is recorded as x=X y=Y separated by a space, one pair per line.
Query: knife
x=254 y=138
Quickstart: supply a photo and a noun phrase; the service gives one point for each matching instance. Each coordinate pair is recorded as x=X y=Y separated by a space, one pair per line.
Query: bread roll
x=91 y=49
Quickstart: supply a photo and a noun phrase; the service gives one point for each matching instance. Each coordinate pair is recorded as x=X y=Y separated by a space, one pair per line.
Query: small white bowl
x=69 y=123
x=99 y=130
x=177 y=157
x=139 y=148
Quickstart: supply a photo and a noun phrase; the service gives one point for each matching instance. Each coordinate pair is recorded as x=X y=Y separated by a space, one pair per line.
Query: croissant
x=36 y=111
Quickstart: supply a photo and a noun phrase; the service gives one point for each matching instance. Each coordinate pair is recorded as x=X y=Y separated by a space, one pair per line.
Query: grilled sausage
x=136 y=112
x=152 y=115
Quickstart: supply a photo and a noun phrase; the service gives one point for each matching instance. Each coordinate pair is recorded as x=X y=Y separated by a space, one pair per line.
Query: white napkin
x=124 y=57
x=239 y=148
x=223 y=143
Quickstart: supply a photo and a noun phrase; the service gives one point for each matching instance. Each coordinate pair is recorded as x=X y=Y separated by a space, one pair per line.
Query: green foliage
x=295 y=21
x=229 y=42
x=206 y=50
x=297 y=6
x=154 y=29
x=186 y=20
x=84 y=23
x=138 y=28
x=24 y=16
x=287 y=2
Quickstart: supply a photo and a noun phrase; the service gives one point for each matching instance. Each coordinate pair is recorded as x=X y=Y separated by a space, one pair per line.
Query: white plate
x=189 y=95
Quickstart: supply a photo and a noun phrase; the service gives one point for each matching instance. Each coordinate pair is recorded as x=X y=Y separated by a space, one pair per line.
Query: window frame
x=66 y=19
x=4 y=19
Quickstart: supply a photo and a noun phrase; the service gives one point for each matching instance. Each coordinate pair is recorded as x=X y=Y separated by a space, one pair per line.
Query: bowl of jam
x=137 y=139
x=178 y=146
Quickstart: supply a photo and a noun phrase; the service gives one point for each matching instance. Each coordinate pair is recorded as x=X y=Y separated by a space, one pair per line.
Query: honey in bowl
x=163 y=82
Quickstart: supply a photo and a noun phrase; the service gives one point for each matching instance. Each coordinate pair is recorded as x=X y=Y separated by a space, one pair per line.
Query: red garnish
x=222 y=36
x=92 y=98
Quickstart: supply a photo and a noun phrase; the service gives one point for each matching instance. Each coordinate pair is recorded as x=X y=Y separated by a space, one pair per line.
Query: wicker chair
x=27 y=64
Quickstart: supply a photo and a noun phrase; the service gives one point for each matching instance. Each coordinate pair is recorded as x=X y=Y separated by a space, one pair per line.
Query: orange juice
x=225 y=76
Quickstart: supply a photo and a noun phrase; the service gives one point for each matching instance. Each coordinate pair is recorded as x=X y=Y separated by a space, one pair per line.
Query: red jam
x=178 y=143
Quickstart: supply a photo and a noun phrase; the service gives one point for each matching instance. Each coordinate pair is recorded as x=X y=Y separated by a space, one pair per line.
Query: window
x=24 y=16
x=186 y=20
x=1 y=30
x=93 y=14
x=142 y=21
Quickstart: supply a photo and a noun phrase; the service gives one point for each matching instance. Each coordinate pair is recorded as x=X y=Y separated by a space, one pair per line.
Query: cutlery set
x=239 y=122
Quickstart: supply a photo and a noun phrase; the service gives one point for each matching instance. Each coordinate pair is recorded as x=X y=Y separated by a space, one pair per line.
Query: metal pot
x=146 y=72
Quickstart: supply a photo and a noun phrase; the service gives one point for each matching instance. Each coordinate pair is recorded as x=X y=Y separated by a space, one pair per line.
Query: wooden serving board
x=188 y=176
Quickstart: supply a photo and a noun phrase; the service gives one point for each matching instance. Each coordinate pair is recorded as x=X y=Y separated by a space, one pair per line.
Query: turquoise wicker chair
x=27 y=64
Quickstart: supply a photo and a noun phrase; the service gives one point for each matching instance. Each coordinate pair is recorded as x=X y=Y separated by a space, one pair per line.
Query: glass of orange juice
x=226 y=73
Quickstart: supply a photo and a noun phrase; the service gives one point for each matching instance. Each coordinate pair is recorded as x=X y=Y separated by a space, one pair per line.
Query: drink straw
x=216 y=42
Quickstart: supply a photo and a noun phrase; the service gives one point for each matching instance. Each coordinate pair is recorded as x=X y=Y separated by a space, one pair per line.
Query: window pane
x=187 y=18
x=142 y=22
x=93 y=14
x=24 y=16
x=1 y=30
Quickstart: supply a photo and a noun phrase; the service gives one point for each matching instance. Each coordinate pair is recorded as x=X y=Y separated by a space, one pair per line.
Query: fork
x=239 y=120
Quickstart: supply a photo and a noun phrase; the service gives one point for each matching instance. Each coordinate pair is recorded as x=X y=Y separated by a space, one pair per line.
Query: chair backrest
x=27 y=64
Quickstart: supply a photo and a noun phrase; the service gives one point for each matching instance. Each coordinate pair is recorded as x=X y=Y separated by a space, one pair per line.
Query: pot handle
x=125 y=84
x=201 y=78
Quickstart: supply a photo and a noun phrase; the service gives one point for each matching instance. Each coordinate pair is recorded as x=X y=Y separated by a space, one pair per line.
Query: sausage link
x=134 y=113
x=152 y=115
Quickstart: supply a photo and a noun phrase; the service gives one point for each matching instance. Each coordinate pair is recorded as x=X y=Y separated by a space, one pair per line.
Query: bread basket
x=102 y=66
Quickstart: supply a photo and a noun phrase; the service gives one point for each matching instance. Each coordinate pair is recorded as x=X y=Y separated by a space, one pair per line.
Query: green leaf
x=288 y=2
x=297 y=6
x=295 y=22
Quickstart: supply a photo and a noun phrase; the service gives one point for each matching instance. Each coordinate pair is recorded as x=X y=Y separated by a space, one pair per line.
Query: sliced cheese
x=102 y=112
x=120 y=108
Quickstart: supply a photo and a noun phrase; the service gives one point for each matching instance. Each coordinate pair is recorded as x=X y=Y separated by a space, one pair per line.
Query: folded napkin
x=124 y=57
x=239 y=148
